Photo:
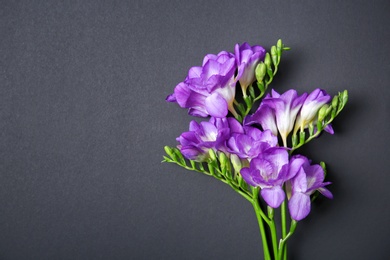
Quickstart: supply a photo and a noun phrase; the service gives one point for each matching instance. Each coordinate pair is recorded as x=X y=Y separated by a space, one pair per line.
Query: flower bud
x=279 y=44
x=267 y=60
x=323 y=112
x=222 y=158
x=212 y=155
x=335 y=101
x=169 y=151
x=274 y=55
x=345 y=96
x=236 y=162
x=260 y=71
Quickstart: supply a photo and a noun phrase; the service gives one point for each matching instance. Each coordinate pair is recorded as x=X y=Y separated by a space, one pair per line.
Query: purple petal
x=193 y=153
x=216 y=105
x=267 y=137
x=199 y=112
x=195 y=72
x=246 y=174
x=171 y=98
x=299 y=206
x=187 y=98
x=277 y=155
x=329 y=129
x=209 y=132
x=194 y=126
x=299 y=182
x=264 y=116
x=295 y=165
x=314 y=176
x=273 y=196
x=326 y=192
x=264 y=167
x=235 y=126
x=275 y=94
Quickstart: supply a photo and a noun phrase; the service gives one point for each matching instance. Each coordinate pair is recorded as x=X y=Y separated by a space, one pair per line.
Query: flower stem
x=284 y=228
x=258 y=211
x=272 y=227
x=283 y=241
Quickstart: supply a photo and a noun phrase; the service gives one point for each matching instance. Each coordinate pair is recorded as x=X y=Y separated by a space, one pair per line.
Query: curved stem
x=283 y=241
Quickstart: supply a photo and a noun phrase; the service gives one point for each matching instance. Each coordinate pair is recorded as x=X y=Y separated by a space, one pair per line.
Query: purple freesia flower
x=308 y=179
x=265 y=116
x=210 y=89
x=278 y=111
x=313 y=102
x=250 y=144
x=269 y=171
x=195 y=143
x=247 y=58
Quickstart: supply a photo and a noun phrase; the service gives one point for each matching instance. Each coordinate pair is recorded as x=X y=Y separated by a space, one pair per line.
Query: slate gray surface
x=83 y=122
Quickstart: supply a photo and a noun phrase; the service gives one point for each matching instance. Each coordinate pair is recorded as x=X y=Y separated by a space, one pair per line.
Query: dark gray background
x=83 y=122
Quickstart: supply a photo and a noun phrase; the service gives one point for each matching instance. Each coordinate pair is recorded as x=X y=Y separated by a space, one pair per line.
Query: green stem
x=283 y=241
x=284 y=227
x=259 y=213
x=272 y=227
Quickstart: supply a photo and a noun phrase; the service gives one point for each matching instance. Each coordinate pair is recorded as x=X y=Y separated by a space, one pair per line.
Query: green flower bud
x=267 y=60
x=260 y=71
x=335 y=101
x=212 y=155
x=236 y=162
x=169 y=151
x=345 y=96
x=279 y=44
x=323 y=112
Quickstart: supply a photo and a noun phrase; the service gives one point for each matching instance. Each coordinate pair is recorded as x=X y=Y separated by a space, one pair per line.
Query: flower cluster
x=269 y=165
x=253 y=153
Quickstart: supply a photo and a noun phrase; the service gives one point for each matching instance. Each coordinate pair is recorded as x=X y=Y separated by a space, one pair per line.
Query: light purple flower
x=250 y=144
x=265 y=116
x=195 y=143
x=247 y=58
x=308 y=179
x=269 y=171
x=279 y=109
x=208 y=90
x=313 y=102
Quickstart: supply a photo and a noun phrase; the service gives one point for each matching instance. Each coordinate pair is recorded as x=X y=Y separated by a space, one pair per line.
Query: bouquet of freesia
x=253 y=150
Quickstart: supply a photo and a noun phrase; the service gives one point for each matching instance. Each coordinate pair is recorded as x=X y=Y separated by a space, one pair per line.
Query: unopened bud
x=260 y=71
x=212 y=155
x=236 y=162
x=335 y=101
x=323 y=112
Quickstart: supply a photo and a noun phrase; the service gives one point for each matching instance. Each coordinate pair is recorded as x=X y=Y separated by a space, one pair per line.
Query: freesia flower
x=265 y=116
x=247 y=58
x=250 y=144
x=195 y=143
x=269 y=171
x=208 y=90
x=280 y=109
x=310 y=107
x=308 y=179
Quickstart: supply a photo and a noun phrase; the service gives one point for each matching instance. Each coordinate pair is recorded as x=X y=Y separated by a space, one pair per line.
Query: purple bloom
x=210 y=89
x=201 y=137
x=308 y=179
x=250 y=144
x=280 y=110
x=247 y=58
x=314 y=101
x=269 y=171
x=265 y=116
